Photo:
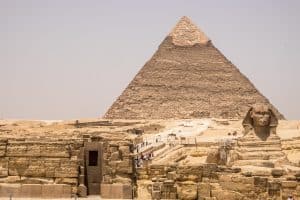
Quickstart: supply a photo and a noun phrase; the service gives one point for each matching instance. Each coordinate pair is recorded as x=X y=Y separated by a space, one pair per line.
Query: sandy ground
x=92 y=197
x=88 y=198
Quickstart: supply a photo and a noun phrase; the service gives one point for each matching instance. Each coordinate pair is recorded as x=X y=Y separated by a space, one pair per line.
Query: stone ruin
x=252 y=166
x=164 y=138
x=75 y=163
x=81 y=158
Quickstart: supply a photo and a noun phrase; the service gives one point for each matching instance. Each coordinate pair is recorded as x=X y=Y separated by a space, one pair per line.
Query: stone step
x=258 y=163
x=141 y=170
x=255 y=138
x=259 y=143
x=290 y=144
x=256 y=171
x=164 y=151
x=259 y=149
x=261 y=155
x=246 y=139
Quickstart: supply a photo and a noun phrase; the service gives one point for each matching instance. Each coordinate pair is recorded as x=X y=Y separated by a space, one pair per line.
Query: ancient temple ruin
x=206 y=135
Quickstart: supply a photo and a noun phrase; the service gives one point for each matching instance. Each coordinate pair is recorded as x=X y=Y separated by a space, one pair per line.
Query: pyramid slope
x=187 y=79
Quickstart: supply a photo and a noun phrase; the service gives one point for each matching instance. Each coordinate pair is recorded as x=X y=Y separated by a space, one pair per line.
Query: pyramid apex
x=186 y=33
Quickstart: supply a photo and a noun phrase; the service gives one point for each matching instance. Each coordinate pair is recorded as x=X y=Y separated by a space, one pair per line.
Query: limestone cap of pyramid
x=186 y=33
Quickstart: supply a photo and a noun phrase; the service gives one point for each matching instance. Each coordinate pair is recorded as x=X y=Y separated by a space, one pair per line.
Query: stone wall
x=37 y=168
x=30 y=168
x=210 y=181
x=118 y=170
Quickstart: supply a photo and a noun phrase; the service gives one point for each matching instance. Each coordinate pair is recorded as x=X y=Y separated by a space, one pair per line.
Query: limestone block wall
x=34 y=168
x=118 y=162
x=211 y=181
x=118 y=170
x=291 y=147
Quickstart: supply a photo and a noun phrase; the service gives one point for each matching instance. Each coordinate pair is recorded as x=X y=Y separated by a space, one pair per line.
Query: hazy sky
x=64 y=59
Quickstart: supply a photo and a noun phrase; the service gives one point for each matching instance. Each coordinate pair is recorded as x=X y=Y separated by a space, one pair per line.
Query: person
x=140 y=162
x=136 y=161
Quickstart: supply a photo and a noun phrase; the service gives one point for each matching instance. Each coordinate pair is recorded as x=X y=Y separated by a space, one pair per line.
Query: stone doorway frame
x=93 y=168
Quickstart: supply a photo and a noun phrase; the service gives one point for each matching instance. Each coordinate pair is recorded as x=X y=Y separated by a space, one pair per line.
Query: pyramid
x=187 y=77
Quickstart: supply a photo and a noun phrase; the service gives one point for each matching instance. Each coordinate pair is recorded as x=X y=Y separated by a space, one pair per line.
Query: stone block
x=125 y=150
x=10 y=189
x=3 y=167
x=127 y=192
x=33 y=150
x=143 y=177
x=209 y=170
x=260 y=182
x=291 y=178
x=226 y=195
x=31 y=190
x=27 y=170
x=192 y=173
x=172 y=195
x=55 y=150
x=171 y=175
x=156 y=195
x=124 y=166
x=81 y=179
x=56 y=191
x=36 y=180
x=187 y=190
x=69 y=181
x=236 y=183
x=38 y=150
x=144 y=189
x=113 y=149
x=51 y=164
x=115 y=156
x=274 y=185
x=2 y=149
x=289 y=184
x=82 y=191
x=204 y=190
x=274 y=189
x=116 y=191
x=256 y=171
x=35 y=168
x=277 y=172
x=10 y=179
x=17 y=166
x=68 y=168
x=16 y=149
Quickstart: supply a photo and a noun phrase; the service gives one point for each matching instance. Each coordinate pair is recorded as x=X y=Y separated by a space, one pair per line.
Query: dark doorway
x=93 y=158
x=93 y=164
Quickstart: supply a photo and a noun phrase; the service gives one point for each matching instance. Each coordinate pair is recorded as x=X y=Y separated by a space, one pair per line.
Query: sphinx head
x=261 y=120
x=261 y=115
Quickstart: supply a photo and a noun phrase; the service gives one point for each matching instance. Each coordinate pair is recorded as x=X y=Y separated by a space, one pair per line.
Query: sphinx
x=260 y=121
